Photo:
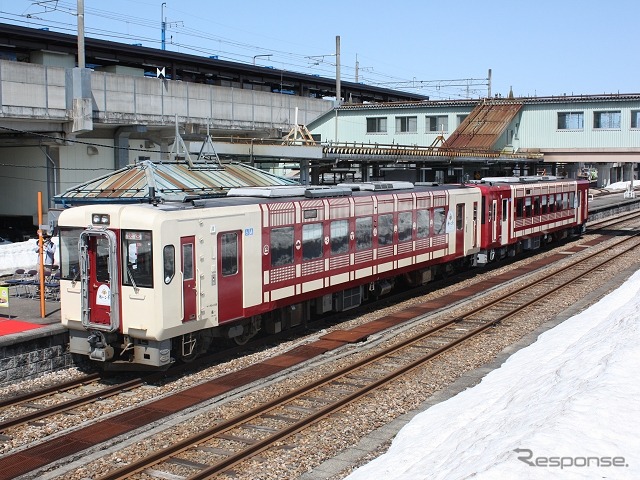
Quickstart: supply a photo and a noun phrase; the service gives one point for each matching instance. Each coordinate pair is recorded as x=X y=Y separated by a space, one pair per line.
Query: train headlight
x=100 y=219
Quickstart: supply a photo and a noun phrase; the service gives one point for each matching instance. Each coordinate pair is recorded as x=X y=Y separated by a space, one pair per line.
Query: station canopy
x=175 y=181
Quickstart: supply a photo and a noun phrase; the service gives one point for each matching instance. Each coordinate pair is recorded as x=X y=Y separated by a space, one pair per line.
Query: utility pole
x=357 y=67
x=81 y=63
x=338 y=93
x=163 y=26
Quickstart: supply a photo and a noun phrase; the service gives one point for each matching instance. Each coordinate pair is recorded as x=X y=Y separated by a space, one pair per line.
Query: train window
x=439 y=220
x=187 y=261
x=405 y=226
x=505 y=209
x=229 y=253
x=385 y=229
x=460 y=216
x=364 y=226
x=138 y=267
x=311 y=241
x=422 y=224
x=69 y=253
x=536 y=205
x=281 y=246
x=339 y=237
x=169 y=262
x=483 y=207
x=519 y=207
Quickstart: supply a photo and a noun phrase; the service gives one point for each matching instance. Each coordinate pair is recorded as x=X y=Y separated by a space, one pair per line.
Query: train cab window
x=422 y=224
x=364 y=229
x=281 y=246
x=169 y=262
x=229 y=253
x=439 y=220
x=69 y=253
x=460 y=216
x=339 y=237
x=311 y=241
x=405 y=226
x=385 y=229
x=138 y=264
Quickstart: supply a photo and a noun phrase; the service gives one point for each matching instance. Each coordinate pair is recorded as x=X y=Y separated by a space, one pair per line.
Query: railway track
x=456 y=321
x=227 y=444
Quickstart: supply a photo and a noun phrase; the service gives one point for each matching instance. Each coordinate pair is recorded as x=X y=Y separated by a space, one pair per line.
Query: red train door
x=99 y=280
x=188 y=270
x=230 y=298
x=460 y=227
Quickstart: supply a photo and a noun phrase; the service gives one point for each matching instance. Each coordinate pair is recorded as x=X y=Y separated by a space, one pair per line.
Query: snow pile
x=568 y=406
x=21 y=255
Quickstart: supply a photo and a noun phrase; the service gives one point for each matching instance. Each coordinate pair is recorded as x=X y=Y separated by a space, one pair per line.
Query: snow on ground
x=21 y=255
x=622 y=185
x=567 y=406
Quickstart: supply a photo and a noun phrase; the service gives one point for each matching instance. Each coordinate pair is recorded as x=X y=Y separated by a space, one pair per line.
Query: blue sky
x=537 y=48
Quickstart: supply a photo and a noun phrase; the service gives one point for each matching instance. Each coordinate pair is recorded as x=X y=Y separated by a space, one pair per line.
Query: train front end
x=101 y=264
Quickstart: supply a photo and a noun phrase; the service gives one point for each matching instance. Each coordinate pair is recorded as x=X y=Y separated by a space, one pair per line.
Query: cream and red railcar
x=523 y=213
x=143 y=285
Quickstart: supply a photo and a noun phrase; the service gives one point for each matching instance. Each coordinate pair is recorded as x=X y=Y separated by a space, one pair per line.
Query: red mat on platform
x=8 y=327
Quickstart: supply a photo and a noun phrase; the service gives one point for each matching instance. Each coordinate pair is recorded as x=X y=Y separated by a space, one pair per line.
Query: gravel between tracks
x=326 y=439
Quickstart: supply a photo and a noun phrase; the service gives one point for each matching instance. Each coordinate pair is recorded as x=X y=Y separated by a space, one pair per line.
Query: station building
x=592 y=136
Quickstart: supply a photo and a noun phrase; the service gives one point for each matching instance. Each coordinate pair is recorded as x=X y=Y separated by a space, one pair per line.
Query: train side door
x=460 y=228
x=230 y=284
x=189 y=290
x=504 y=233
x=99 y=280
x=494 y=220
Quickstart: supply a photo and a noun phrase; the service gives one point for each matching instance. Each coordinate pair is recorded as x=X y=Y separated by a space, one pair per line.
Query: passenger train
x=145 y=285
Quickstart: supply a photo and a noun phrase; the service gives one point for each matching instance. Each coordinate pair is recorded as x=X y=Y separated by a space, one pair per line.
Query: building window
x=406 y=124
x=460 y=118
x=377 y=125
x=635 y=118
x=606 y=120
x=439 y=123
x=570 y=120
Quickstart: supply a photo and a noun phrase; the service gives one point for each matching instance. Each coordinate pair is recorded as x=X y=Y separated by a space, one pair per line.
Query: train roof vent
x=323 y=192
x=378 y=186
x=268 y=192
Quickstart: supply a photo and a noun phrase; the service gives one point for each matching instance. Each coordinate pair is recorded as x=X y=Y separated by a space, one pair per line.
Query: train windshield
x=69 y=253
x=137 y=263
